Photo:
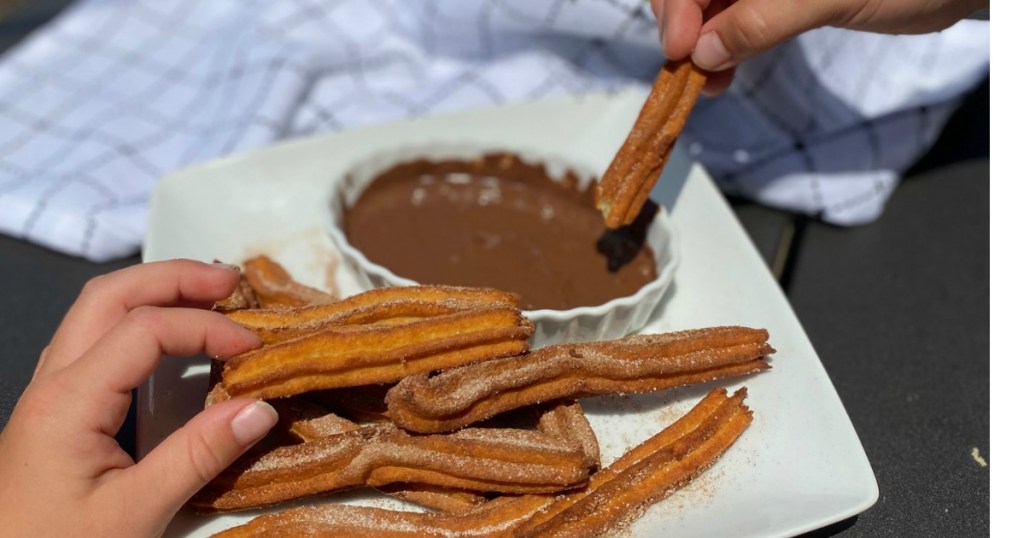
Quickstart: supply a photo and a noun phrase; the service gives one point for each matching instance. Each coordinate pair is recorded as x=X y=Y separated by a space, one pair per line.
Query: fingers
x=201 y=449
x=106 y=299
x=124 y=357
x=749 y=27
x=904 y=17
x=734 y=31
x=679 y=23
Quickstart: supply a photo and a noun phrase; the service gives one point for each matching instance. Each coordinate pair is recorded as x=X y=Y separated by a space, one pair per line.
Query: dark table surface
x=898 y=312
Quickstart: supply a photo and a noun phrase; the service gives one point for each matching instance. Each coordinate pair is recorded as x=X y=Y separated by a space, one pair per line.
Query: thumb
x=199 y=451
x=749 y=27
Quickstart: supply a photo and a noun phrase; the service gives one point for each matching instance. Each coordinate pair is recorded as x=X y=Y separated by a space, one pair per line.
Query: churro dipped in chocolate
x=374 y=354
x=614 y=497
x=635 y=364
x=638 y=164
x=475 y=459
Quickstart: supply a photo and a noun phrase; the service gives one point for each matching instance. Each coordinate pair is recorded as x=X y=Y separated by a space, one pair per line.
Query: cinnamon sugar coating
x=639 y=162
x=372 y=354
x=635 y=364
x=274 y=286
x=614 y=496
x=378 y=306
x=491 y=460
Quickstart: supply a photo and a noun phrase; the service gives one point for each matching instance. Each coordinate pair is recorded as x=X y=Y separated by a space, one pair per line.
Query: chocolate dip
x=498 y=222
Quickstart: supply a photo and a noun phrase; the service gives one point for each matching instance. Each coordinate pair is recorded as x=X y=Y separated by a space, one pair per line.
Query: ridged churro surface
x=638 y=164
x=366 y=355
x=475 y=459
x=614 y=496
x=634 y=364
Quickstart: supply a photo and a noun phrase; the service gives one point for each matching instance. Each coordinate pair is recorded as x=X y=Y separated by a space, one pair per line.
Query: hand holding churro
x=702 y=56
x=438 y=434
x=63 y=472
x=719 y=34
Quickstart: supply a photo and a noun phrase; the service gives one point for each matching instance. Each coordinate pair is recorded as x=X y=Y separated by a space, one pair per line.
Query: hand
x=63 y=474
x=739 y=29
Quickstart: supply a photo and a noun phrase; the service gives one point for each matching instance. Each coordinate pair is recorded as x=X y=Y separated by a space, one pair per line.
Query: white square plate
x=800 y=465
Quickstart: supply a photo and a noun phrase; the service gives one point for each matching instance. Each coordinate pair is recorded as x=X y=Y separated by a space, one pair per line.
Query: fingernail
x=253 y=422
x=256 y=340
x=710 y=53
x=222 y=265
x=661 y=30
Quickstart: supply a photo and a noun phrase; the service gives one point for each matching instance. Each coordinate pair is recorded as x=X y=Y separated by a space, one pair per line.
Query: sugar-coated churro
x=638 y=164
x=615 y=495
x=274 y=286
x=635 y=364
x=377 y=306
x=476 y=459
x=367 y=355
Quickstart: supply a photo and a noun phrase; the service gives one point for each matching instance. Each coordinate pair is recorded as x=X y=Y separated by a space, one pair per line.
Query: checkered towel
x=99 y=104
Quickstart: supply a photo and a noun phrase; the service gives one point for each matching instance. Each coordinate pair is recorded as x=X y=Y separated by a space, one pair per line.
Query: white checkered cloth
x=103 y=101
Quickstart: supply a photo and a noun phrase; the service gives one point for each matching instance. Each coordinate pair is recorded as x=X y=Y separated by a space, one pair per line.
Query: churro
x=242 y=297
x=377 y=306
x=436 y=498
x=274 y=286
x=635 y=364
x=302 y=420
x=565 y=420
x=615 y=495
x=366 y=355
x=638 y=164
x=475 y=459
x=615 y=499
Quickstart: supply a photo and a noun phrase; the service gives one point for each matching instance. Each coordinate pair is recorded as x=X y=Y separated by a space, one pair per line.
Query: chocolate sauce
x=498 y=222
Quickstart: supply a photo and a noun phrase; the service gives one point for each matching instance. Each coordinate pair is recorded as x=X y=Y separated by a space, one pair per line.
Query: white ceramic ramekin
x=613 y=319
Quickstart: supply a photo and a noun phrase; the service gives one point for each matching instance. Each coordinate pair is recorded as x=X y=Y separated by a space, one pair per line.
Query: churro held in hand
x=639 y=162
x=373 y=354
x=381 y=306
